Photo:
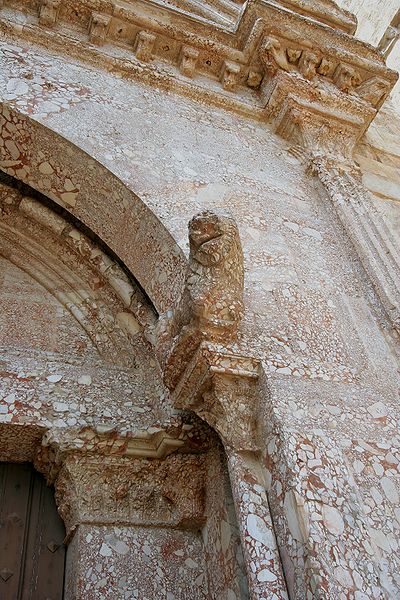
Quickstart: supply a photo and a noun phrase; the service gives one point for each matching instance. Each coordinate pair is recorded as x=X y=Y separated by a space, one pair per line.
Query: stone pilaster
x=326 y=143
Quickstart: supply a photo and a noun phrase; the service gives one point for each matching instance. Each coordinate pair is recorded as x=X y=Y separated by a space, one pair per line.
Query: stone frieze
x=304 y=48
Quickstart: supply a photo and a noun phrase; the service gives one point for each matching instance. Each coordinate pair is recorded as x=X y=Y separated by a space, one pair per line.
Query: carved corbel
x=375 y=91
x=48 y=12
x=98 y=28
x=273 y=56
x=188 y=60
x=308 y=63
x=221 y=388
x=346 y=78
x=229 y=76
x=326 y=67
x=144 y=44
x=293 y=55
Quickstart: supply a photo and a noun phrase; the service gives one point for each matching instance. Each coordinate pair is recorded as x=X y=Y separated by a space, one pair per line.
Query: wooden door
x=32 y=554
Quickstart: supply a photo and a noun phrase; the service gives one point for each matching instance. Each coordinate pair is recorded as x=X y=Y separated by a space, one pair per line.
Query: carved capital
x=125 y=491
x=221 y=388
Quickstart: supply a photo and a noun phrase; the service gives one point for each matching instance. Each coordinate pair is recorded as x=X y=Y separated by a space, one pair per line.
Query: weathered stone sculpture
x=213 y=299
x=215 y=274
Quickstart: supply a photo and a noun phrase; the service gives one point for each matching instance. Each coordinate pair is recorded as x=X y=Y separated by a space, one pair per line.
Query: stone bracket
x=188 y=60
x=229 y=76
x=144 y=44
x=221 y=388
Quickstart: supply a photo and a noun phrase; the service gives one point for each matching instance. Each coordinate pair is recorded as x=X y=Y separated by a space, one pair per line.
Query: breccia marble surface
x=315 y=512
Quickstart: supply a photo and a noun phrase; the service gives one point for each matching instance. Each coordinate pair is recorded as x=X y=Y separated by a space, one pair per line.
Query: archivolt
x=63 y=172
x=91 y=285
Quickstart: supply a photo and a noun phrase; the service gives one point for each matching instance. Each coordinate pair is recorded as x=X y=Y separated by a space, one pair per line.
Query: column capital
x=103 y=478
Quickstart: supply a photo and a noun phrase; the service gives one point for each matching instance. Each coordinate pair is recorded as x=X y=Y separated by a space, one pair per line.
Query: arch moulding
x=55 y=167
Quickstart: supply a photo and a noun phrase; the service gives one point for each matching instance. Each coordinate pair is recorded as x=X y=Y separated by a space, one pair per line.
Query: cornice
x=306 y=45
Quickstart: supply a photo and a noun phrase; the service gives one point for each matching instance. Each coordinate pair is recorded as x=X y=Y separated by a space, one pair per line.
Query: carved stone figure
x=213 y=302
x=273 y=55
x=346 y=77
x=308 y=64
x=215 y=276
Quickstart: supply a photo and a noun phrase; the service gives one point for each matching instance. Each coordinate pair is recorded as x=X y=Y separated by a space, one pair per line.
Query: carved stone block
x=188 y=60
x=308 y=63
x=98 y=28
x=346 y=78
x=48 y=12
x=117 y=490
x=229 y=76
x=144 y=44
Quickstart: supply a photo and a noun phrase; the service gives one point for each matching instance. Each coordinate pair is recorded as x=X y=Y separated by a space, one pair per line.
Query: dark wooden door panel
x=32 y=555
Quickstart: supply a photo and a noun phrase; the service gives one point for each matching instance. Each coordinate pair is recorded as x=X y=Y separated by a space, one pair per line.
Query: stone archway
x=63 y=172
x=85 y=402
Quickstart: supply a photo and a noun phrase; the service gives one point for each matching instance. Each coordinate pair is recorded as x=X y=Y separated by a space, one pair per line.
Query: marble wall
x=331 y=447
